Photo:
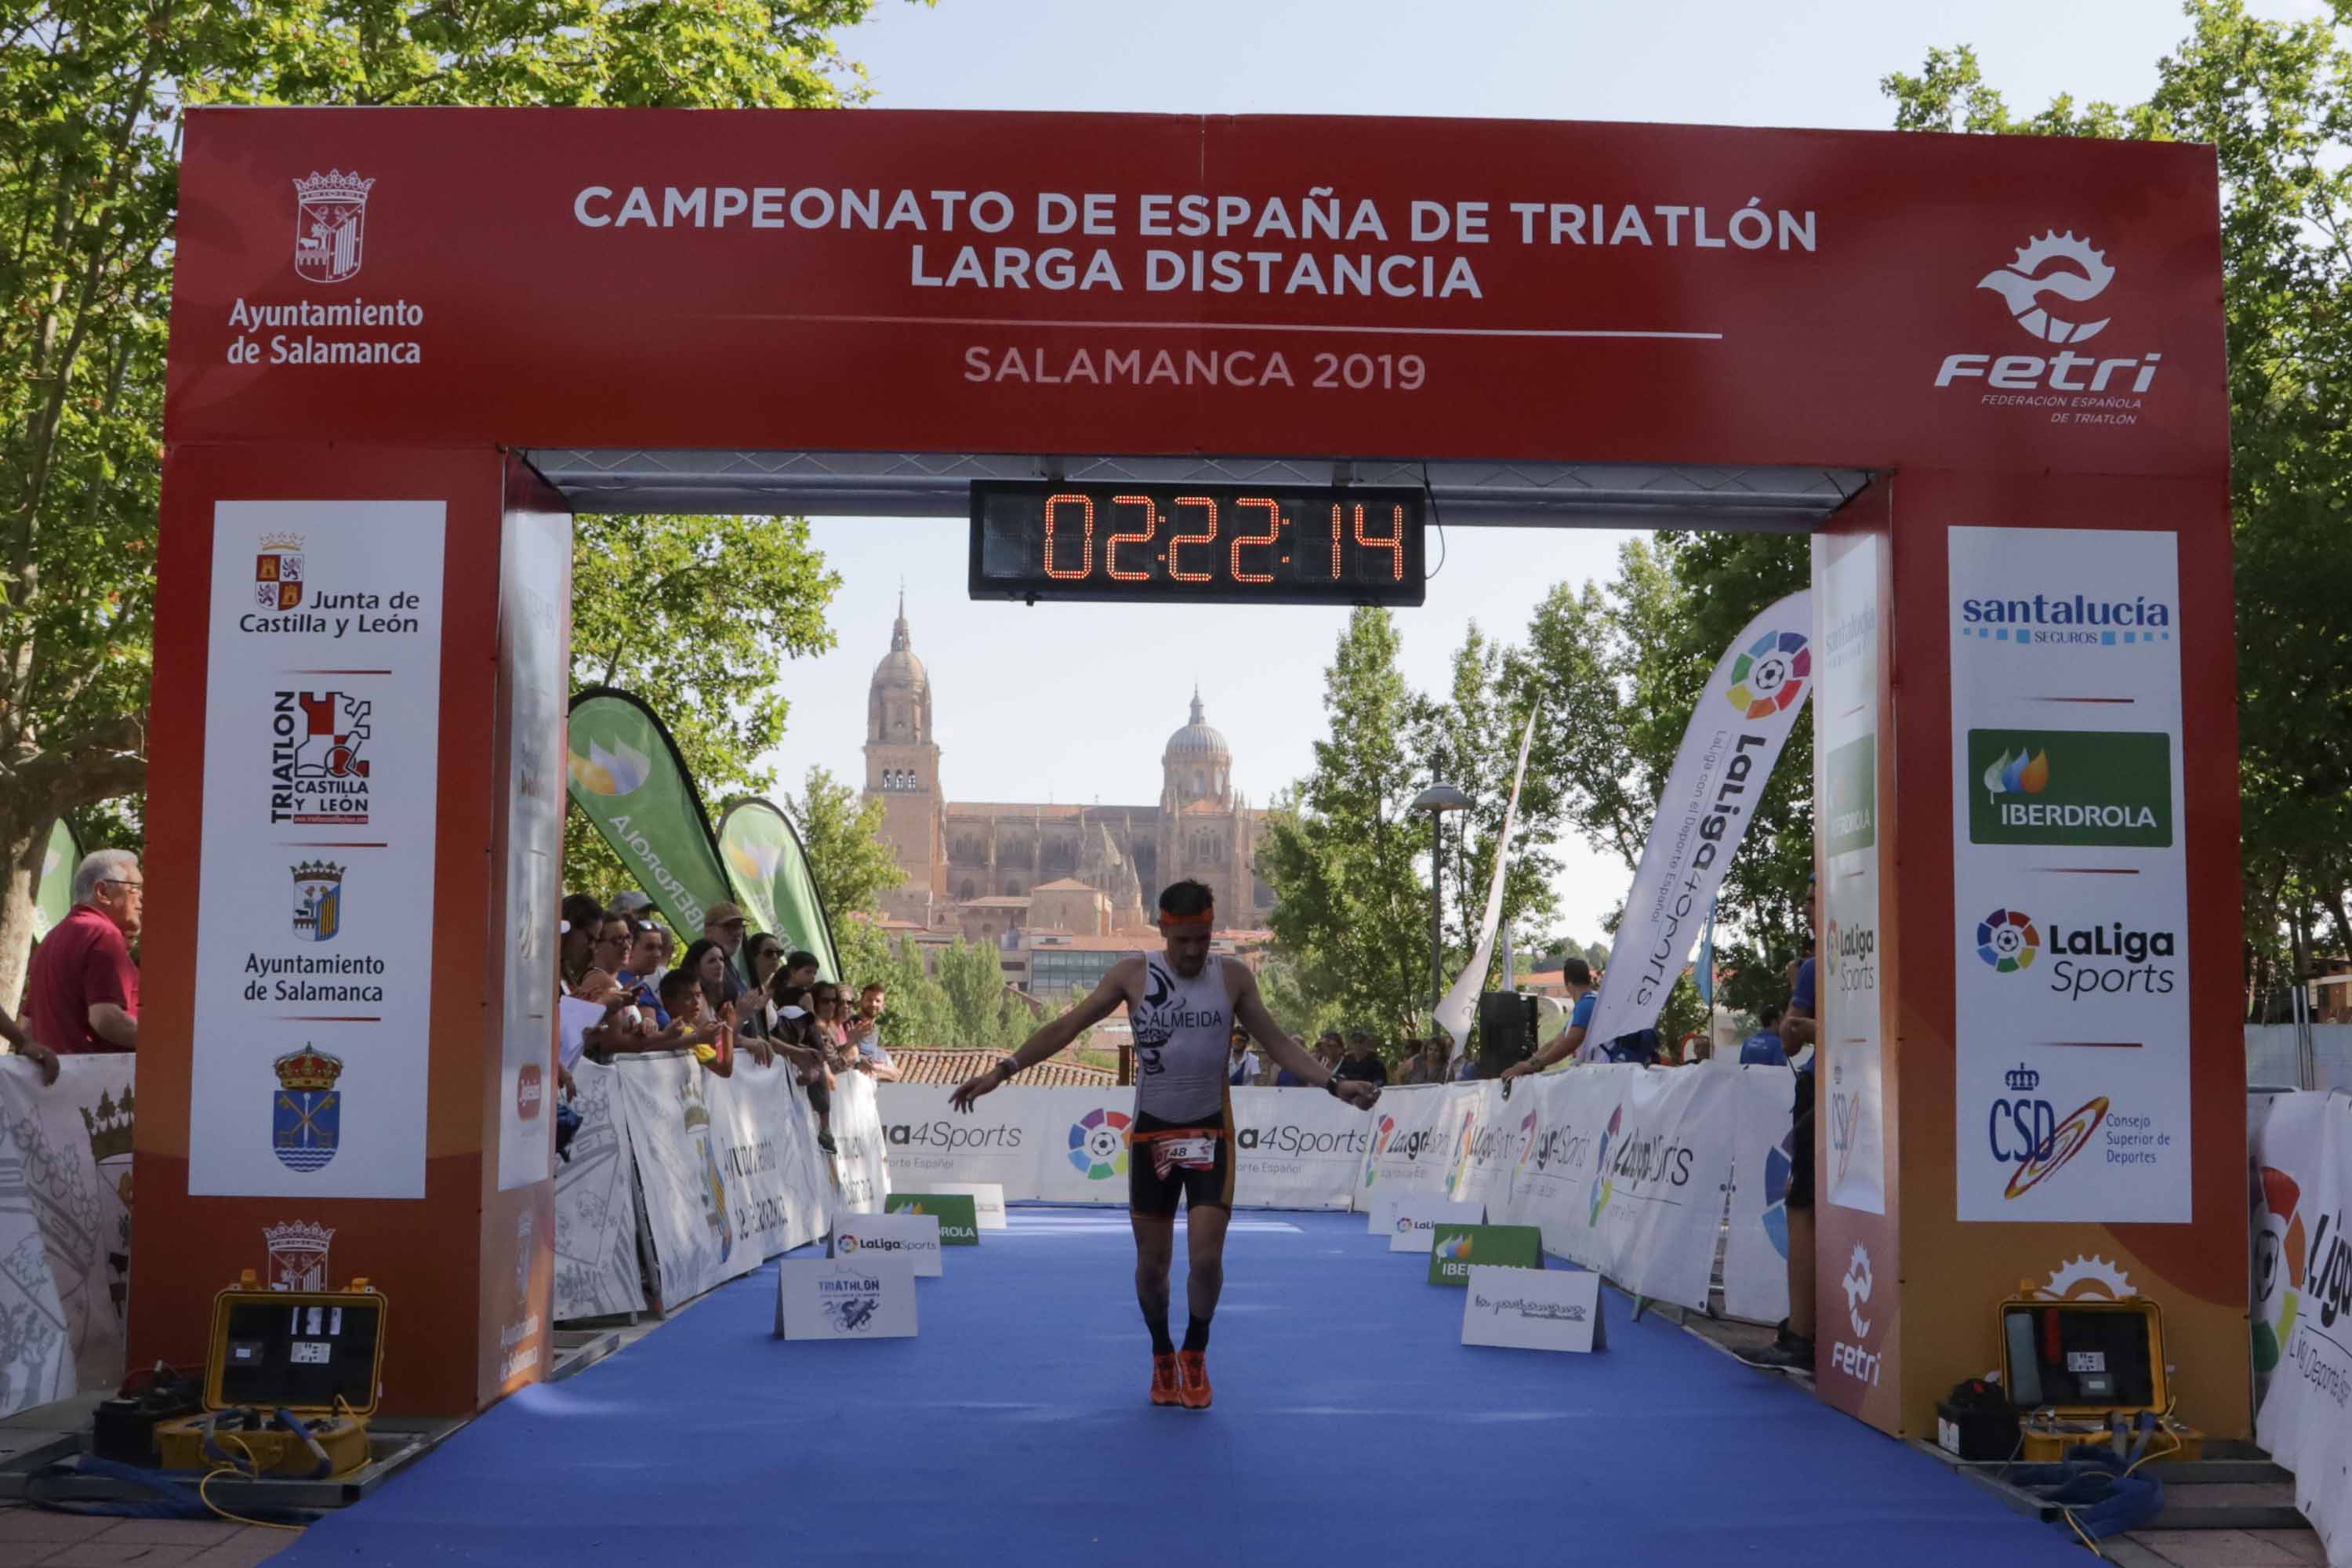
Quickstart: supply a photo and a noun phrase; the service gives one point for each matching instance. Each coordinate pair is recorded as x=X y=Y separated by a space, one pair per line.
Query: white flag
x=1743 y=718
x=1454 y=1013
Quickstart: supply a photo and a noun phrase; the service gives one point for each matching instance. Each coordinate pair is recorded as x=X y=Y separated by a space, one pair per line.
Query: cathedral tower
x=902 y=766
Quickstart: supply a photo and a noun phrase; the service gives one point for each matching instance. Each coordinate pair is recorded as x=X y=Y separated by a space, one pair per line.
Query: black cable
x=1437 y=517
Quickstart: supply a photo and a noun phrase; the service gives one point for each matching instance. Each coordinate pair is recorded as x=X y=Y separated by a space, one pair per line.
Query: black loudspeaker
x=1507 y=1030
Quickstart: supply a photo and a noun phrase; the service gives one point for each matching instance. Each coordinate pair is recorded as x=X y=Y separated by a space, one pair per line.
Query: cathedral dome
x=900 y=670
x=1197 y=741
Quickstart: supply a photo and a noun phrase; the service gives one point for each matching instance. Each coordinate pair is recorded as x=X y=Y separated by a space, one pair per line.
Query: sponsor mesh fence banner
x=1624 y=1169
x=596 y=1272
x=1743 y=717
x=626 y=778
x=861 y=1154
x=2302 y=1304
x=65 y=1227
x=769 y=869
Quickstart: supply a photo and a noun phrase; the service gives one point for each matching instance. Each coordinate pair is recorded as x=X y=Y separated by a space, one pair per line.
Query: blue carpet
x=1350 y=1425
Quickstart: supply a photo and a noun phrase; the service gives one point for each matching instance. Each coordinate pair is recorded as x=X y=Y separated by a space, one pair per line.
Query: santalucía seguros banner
x=1624 y=1169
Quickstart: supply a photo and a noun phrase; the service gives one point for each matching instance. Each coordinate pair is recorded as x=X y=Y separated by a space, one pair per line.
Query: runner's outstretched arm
x=1052 y=1036
x=1250 y=1008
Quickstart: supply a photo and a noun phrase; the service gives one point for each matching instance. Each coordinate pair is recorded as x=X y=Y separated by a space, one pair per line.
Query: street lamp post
x=1437 y=800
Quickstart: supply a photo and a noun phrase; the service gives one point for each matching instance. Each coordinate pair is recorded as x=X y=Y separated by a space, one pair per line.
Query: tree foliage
x=853 y=867
x=90 y=150
x=2275 y=98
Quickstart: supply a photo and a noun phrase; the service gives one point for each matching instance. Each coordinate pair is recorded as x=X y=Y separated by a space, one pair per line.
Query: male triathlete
x=1183 y=1006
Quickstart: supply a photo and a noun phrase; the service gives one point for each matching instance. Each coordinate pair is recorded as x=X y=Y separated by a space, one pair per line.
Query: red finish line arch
x=1991 y=371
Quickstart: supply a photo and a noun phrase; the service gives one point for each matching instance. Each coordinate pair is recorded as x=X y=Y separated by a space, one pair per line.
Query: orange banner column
x=329 y=1066
x=2053 y=966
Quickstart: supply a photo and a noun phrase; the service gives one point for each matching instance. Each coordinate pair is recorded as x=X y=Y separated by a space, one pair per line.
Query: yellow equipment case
x=2083 y=1373
x=290 y=1379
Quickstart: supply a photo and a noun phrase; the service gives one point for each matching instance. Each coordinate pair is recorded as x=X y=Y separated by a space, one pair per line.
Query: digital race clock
x=1210 y=545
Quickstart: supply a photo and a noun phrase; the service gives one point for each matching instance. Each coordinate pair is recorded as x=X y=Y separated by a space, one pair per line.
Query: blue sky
x=1020 y=719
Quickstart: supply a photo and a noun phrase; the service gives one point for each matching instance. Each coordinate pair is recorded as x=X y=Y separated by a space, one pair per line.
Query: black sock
x=1196 y=1334
x=1155 y=1318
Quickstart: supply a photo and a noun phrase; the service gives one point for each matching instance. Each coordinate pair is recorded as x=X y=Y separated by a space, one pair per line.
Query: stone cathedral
x=1091 y=870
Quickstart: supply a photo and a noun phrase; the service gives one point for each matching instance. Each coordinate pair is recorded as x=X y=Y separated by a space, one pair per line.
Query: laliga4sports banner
x=769 y=869
x=1743 y=718
x=1406 y=1152
x=625 y=775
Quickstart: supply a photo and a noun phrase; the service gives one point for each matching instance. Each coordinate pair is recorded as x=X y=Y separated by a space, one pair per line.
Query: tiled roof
x=946 y=1068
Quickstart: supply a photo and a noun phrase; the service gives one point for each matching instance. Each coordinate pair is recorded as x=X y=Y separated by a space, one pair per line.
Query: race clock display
x=1210 y=545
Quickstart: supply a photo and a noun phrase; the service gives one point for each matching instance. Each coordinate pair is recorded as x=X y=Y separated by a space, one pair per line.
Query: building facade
x=995 y=870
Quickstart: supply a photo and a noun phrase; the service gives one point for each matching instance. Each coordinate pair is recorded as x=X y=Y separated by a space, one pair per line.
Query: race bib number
x=1183 y=1154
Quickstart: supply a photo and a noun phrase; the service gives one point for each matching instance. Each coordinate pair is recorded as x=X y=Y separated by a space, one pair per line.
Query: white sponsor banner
x=65 y=1227
x=1756 y=1239
x=2303 y=1305
x=869 y=1237
x=1406 y=1152
x=533 y=589
x=1626 y=1171
x=1743 y=716
x=1499 y=1142
x=666 y=1101
x=930 y=1141
x=1417 y=1215
x=1533 y=1310
x=858 y=1298
x=597 y=1270
x=763 y=1135
x=2071 y=954
x=1461 y=1002
x=860 y=1156
x=312 y=1033
x=1295 y=1149
x=1846 y=983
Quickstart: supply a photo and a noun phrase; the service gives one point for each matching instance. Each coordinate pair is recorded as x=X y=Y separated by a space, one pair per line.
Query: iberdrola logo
x=621 y=770
x=757 y=861
x=2019 y=774
x=1769 y=677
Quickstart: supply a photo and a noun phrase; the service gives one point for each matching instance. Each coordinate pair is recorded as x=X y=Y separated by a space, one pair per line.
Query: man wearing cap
x=1792 y=1348
x=723 y=923
x=1183 y=1006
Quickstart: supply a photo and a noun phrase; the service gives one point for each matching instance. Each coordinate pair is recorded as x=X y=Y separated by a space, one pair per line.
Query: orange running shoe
x=1195 y=1367
x=1166 y=1386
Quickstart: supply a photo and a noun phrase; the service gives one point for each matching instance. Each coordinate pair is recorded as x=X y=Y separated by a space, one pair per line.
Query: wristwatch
x=1331 y=1086
x=1008 y=1066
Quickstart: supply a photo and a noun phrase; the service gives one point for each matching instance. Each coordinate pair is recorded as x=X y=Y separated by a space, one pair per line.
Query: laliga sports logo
x=1098 y=1144
x=2023 y=283
x=2007 y=939
x=1379 y=1146
x=1857 y=1284
x=2280 y=1242
x=1769 y=677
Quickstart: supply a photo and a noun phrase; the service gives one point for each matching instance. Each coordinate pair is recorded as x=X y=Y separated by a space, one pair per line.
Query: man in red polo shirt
x=83 y=992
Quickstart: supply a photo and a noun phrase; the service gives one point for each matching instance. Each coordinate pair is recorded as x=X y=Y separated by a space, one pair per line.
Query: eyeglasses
x=119 y=882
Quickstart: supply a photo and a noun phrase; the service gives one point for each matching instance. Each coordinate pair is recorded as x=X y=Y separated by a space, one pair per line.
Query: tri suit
x=1182 y=1137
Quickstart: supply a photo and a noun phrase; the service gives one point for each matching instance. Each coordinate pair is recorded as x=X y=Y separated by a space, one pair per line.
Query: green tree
x=854 y=867
x=90 y=151
x=1350 y=914
x=2275 y=98
x=1627 y=664
x=983 y=1014
x=1470 y=739
x=696 y=616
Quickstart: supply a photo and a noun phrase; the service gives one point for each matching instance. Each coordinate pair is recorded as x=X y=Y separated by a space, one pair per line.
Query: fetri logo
x=1769 y=677
x=1098 y=1144
x=2022 y=282
x=2008 y=939
x=1857 y=1283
